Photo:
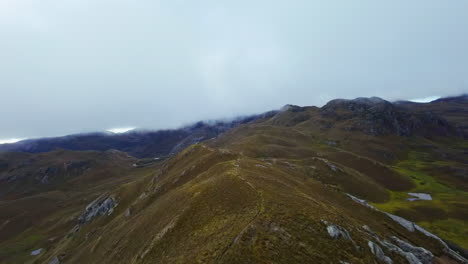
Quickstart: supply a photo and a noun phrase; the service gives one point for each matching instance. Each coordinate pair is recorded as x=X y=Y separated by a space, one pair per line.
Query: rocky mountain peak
x=375 y=116
x=359 y=104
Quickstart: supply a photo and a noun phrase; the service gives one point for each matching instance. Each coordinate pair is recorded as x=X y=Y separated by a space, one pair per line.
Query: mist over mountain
x=84 y=66
x=138 y=143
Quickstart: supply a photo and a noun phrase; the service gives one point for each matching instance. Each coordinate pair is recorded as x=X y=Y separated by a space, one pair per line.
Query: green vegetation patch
x=443 y=215
x=453 y=230
x=18 y=251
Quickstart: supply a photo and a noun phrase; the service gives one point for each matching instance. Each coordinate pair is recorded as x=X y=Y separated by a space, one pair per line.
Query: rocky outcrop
x=188 y=141
x=379 y=253
x=45 y=175
x=76 y=167
x=103 y=205
x=413 y=227
x=362 y=202
x=375 y=116
x=36 y=252
x=330 y=165
x=337 y=232
x=410 y=226
x=419 y=196
x=54 y=260
x=412 y=259
x=423 y=255
x=128 y=212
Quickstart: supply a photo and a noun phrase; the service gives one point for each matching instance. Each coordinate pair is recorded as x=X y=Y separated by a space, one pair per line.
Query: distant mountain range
x=379 y=117
x=141 y=144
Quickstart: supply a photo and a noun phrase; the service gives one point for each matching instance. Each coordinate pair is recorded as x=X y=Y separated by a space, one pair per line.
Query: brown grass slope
x=35 y=212
x=217 y=206
x=380 y=163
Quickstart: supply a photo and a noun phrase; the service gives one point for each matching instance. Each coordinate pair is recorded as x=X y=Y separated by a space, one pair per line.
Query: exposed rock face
x=412 y=227
x=423 y=255
x=190 y=140
x=54 y=260
x=337 y=232
x=44 y=175
x=76 y=166
x=128 y=212
x=330 y=165
x=375 y=116
x=420 y=196
x=411 y=258
x=379 y=253
x=36 y=252
x=361 y=201
x=101 y=206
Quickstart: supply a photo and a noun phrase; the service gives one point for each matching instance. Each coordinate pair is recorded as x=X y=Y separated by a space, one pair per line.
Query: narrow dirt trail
x=260 y=209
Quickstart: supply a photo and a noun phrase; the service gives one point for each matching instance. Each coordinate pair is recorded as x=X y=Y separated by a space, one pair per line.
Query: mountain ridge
x=136 y=142
x=139 y=143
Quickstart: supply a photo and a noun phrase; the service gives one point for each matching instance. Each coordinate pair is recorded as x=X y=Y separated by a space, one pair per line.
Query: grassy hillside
x=38 y=213
x=214 y=206
x=271 y=191
x=382 y=169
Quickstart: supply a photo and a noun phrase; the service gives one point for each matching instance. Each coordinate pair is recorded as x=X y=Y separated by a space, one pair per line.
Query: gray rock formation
x=36 y=252
x=419 y=196
x=337 y=232
x=379 y=253
x=411 y=258
x=375 y=116
x=412 y=227
x=423 y=255
x=54 y=260
x=44 y=175
x=101 y=206
x=128 y=212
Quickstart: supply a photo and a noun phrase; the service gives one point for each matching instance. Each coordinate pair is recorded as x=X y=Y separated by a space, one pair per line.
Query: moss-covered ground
x=445 y=215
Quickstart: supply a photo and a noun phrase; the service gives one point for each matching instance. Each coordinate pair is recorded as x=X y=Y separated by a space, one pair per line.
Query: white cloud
x=425 y=99
x=120 y=129
x=10 y=140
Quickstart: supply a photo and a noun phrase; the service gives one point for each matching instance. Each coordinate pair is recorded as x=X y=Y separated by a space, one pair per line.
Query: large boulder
x=101 y=206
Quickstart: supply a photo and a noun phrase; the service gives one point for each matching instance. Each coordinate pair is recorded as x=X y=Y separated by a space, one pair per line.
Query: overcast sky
x=69 y=66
